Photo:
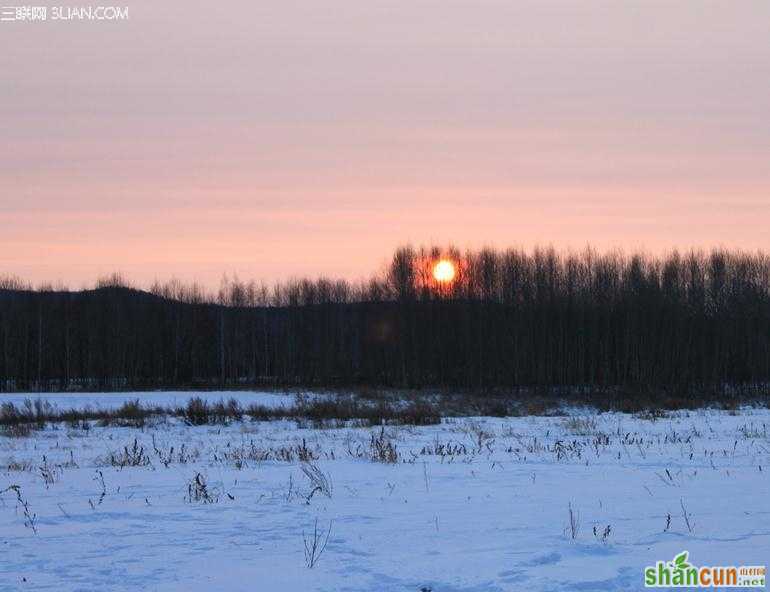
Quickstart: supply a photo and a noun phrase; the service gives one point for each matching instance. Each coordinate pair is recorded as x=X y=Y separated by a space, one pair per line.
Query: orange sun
x=444 y=271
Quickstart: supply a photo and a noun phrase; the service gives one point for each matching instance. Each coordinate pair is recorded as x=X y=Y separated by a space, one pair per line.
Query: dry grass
x=580 y=426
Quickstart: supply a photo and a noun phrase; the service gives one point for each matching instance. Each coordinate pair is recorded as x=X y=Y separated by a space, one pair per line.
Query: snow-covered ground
x=151 y=398
x=476 y=504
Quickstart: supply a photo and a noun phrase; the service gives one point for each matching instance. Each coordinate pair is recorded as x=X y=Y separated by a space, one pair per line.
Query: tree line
x=538 y=319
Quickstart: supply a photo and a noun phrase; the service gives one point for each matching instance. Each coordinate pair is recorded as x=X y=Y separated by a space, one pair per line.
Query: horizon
x=266 y=141
x=423 y=255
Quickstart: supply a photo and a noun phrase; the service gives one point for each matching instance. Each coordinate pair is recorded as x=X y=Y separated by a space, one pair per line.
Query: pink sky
x=278 y=139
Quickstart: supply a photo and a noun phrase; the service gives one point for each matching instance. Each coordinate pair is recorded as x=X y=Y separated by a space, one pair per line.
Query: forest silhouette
x=529 y=320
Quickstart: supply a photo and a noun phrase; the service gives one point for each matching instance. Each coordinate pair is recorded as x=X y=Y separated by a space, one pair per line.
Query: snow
x=150 y=398
x=492 y=514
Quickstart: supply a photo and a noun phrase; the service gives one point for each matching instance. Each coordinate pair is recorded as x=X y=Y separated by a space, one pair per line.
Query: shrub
x=130 y=414
x=197 y=412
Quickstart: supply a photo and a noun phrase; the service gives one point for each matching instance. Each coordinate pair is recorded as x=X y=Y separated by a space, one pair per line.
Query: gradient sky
x=285 y=138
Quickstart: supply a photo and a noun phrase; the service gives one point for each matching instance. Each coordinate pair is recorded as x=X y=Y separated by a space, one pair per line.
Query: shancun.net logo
x=681 y=574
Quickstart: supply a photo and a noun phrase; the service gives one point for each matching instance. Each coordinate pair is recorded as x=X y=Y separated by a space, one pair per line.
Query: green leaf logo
x=680 y=561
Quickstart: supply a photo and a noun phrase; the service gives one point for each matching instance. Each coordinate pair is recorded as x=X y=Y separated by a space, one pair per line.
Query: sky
x=280 y=139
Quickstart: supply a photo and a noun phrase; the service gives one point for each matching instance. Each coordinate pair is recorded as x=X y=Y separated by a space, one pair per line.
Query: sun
x=444 y=271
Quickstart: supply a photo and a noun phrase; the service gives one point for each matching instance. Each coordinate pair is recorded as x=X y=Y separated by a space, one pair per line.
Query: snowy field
x=149 y=398
x=475 y=504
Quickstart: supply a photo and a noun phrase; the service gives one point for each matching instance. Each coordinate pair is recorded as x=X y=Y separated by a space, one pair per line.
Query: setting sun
x=444 y=271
